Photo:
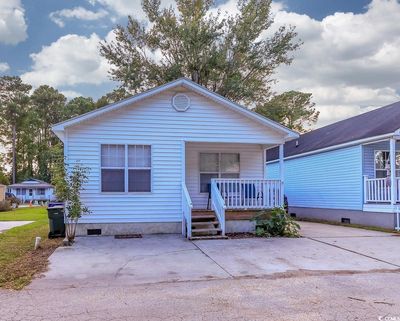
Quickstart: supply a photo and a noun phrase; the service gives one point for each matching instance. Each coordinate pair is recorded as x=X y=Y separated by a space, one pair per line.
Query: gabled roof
x=31 y=183
x=376 y=123
x=59 y=128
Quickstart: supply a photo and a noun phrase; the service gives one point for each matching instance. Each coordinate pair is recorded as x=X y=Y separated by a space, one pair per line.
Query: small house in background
x=32 y=190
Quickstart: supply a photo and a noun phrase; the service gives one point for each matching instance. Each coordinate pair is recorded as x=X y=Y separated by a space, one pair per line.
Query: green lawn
x=25 y=214
x=19 y=263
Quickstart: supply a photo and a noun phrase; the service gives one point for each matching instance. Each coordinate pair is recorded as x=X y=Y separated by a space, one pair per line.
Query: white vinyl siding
x=155 y=122
x=331 y=179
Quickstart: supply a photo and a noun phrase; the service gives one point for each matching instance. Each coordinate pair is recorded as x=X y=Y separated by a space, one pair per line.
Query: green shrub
x=277 y=223
x=5 y=206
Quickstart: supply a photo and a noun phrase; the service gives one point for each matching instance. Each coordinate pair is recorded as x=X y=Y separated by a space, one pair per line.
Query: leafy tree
x=293 y=109
x=112 y=97
x=4 y=177
x=228 y=54
x=78 y=106
x=14 y=101
x=48 y=105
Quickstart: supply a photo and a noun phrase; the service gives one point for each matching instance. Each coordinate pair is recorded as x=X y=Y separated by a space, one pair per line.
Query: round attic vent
x=181 y=102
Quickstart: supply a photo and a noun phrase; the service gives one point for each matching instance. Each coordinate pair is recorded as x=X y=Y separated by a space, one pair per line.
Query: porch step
x=195 y=224
x=209 y=237
x=206 y=217
x=206 y=230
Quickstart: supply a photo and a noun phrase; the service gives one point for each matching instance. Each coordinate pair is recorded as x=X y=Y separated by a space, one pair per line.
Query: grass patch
x=365 y=227
x=19 y=262
x=25 y=214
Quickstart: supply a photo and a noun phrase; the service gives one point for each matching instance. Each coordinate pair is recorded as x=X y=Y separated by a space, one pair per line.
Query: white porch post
x=393 y=183
x=281 y=173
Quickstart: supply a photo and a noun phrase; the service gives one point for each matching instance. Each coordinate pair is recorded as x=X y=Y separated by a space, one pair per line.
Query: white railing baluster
x=186 y=212
x=218 y=203
x=376 y=190
x=240 y=193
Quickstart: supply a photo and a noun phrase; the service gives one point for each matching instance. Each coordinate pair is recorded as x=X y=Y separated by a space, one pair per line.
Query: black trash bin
x=55 y=213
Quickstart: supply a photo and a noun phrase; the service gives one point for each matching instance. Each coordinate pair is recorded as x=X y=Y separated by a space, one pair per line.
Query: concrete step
x=209 y=237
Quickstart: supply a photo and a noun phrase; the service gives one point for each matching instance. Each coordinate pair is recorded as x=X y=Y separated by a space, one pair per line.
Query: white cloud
x=69 y=61
x=350 y=62
x=124 y=8
x=80 y=13
x=12 y=22
x=71 y=93
x=4 y=67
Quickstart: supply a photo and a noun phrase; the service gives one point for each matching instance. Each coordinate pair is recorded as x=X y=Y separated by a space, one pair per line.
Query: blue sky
x=348 y=60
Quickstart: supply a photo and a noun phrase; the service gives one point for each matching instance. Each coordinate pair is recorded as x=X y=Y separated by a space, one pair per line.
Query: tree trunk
x=14 y=156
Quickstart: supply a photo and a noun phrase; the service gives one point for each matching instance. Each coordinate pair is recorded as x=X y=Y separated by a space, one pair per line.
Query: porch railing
x=249 y=193
x=218 y=205
x=186 y=212
x=378 y=190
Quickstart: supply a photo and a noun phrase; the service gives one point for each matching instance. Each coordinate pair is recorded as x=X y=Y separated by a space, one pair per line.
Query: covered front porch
x=225 y=180
x=381 y=176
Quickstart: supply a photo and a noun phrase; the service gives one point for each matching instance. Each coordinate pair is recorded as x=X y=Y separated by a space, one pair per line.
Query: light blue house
x=176 y=158
x=347 y=171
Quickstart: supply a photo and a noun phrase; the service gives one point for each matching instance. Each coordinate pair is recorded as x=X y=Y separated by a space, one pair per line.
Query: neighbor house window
x=125 y=163
x=218 y=165
x=382 y=163
x=30 y=192
x=40 y=191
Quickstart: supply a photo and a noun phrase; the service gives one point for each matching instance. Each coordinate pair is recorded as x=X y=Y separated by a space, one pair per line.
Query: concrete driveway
x=105 y=261
x=6 y=225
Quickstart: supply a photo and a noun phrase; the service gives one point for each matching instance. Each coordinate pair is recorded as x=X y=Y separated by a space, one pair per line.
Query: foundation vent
x=94 y=231
x=293 y=215
x=345 y=220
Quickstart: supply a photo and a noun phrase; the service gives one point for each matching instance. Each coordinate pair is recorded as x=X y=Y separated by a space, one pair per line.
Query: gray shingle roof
x=384 y=120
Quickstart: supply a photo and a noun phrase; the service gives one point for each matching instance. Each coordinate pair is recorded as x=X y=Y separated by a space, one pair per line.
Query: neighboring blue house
x=32 y=190
x=349 y=170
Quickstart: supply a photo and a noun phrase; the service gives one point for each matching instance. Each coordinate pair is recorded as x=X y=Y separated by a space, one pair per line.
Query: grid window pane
x=112 y=155
x=139 y=180
x=230 y=163
x=112 y=180
x=382 y=163
x=139 y=156
x=209 y=162
x=205 y=180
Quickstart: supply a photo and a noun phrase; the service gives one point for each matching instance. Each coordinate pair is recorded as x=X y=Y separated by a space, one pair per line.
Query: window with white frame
x=218 y=165
x=125 y=168
x=41 y=191
x=382 y=163
x=139 y=168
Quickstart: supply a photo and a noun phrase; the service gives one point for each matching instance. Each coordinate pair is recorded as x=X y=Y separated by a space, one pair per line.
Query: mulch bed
x=20 y=272
x=244 y=235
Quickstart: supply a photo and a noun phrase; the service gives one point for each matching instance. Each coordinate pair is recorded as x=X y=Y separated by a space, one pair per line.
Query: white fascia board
x=339 y=146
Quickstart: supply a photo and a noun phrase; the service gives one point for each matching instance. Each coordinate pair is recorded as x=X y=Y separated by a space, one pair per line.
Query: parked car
x=14 y=201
